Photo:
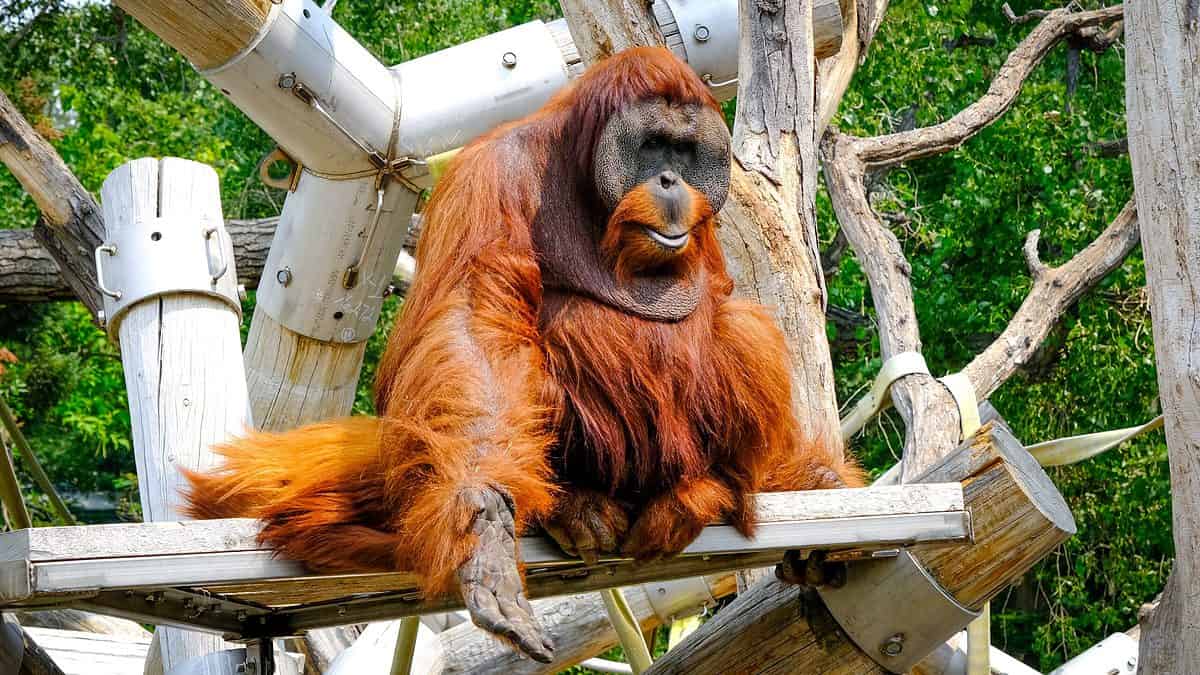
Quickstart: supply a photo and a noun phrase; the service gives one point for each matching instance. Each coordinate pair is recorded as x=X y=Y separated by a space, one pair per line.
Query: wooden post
x=181 y=351
x=1017 y=517
x=1163 y=104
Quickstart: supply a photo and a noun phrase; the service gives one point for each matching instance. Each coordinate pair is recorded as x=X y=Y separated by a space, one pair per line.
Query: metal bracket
x=918 y=613
x=154 y=257
x=260 y=658
x=708 y=36
x=679 y=598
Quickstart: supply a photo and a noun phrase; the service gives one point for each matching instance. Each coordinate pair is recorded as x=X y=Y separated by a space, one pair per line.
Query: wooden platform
x=211 y=575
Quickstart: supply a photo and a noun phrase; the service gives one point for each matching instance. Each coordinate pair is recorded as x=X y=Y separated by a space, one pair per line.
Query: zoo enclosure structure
x=364 y=140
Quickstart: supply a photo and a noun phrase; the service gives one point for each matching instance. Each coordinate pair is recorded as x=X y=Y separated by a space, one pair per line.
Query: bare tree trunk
x=769 y=229
x=1163 y=105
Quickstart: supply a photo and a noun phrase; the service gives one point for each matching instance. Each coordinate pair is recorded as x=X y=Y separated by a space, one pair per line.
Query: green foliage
x=109 y=91
x=969 y=212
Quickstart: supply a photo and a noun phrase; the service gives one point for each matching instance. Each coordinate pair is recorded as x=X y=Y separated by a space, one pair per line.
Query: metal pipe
x=406 y=645
x=628 y=631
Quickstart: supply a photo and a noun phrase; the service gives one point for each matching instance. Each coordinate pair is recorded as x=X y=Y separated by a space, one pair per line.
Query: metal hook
x=112 y=251
x=708 y=79
x=223 y=263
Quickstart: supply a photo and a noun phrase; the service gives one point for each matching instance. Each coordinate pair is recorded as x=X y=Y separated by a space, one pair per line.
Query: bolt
x=284 y=276
x=102 y=318
x=287 y=80
x=1132 y=663
x=701 y=33
x=509 y=60
x=242 y=292
x=893 y=645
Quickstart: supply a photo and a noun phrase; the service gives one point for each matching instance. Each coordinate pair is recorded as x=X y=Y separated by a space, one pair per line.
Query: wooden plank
x=129 y=539
x=929 y=502
x=200 y=569
x=82 y=653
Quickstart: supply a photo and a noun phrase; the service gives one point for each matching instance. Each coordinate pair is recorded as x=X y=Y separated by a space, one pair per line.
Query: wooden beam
x=20 y=654
x=70 y=227
x=207 y=32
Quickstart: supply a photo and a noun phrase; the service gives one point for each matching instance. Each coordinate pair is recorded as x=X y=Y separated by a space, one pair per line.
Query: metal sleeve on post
x=897 y=639
x=155 y=257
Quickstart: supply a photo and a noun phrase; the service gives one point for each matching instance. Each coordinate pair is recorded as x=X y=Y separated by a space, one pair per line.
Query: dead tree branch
x=1055 y=289
x=70 y=227
x=929 y=411
x=886 y=151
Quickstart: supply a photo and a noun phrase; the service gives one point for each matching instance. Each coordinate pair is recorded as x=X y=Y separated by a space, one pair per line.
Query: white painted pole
x=167 y=266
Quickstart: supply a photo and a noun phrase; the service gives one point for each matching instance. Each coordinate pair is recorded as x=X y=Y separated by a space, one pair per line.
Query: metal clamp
x=895 y=640
x=155 y=257
x=679 y=598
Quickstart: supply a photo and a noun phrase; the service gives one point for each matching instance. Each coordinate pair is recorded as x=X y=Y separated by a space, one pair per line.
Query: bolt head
x=893 y=646
x=702 y=34
x=287 y=80
x=509 y=59
x=284 y=276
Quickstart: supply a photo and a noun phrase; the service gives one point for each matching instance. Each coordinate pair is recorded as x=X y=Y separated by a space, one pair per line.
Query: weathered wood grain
x=207 y=32
x=181 y=355
x=71 y=226
x=1162 y=100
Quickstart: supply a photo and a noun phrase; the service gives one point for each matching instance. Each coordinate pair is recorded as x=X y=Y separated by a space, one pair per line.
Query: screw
x=284 y=276
x=893 y=645
x=509 y=60
x=102 y=318
x=242 y=292
x=701 y=33
x=287 y=80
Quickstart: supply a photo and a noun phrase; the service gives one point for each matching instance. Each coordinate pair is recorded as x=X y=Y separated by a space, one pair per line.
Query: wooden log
x=577 y=624
x=20 y=655
x=1017 y=515
x=181 y=353
x=29 y=274
x=1162 y=100
x=207 y=32
x=71 y=226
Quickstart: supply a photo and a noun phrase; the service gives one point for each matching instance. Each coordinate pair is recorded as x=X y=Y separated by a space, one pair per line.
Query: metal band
x=155 y=257
x=921 y=617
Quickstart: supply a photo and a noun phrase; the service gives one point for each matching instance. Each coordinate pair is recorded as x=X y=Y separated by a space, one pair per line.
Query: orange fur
x=488 y=380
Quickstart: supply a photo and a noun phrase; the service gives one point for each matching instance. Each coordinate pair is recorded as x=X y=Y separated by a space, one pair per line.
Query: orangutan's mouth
x=673 y=242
